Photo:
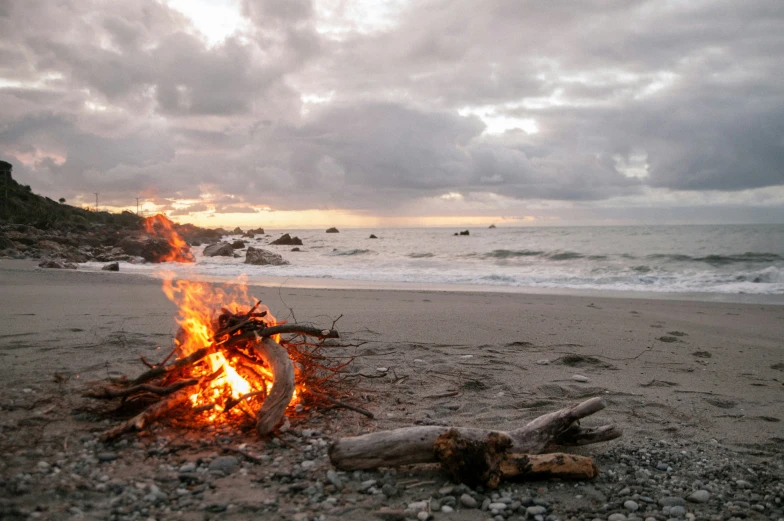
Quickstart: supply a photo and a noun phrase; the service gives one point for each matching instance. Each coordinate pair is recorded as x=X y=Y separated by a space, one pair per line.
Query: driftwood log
x=274 y=406
x=486 y=462
x=411 y=445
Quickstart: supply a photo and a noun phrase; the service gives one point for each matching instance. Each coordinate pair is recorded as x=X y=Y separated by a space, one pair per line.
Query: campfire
x=232 y=360
x=230 y=363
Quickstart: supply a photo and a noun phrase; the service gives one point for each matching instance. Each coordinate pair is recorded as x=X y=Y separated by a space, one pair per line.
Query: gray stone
x=389 y=490
x=671 y=501
x=677 y=511
x=188 y=467
x=106 y=456
x=446 y=509
x=468 y=501
x=631 y=506
x=616 y=517
x=536 y=510
x=700 y=496
x=260 y=257
x=219 y=249
x=497 y=506
x=114 y=266
x=225 y=464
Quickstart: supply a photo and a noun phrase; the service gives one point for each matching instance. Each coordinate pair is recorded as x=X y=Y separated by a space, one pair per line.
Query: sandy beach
x=709 y=374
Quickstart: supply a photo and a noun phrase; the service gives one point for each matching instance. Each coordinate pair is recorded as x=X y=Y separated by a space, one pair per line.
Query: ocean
x=712 y=262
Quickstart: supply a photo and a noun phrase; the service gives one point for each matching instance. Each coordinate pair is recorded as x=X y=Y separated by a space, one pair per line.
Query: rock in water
x=263 y=257
x=287 y=240
x=333 y=230
x=114 y=266
x=222 y=249
x=238 y=245
x=60 y=265
x=152 y=249
x=373 y=236
x=465 y=232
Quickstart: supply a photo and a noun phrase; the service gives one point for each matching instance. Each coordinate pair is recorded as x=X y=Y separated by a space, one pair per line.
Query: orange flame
x=161 y=226
x=197 y=303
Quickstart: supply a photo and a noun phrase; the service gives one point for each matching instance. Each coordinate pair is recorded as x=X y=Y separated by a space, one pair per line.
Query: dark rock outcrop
x=333 y=230
x=237 y=231
x=372 y=236
x=114 y=266
x=222 y=249
x=295 y=249
x=152 y=249
x=258 y=256
x=491 y=226
x=287 y=240
x=238 y=245
x=464 y=232
x=257 y=231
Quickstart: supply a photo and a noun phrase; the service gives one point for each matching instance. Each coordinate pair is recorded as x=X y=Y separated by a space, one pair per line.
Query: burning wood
x=233 y=366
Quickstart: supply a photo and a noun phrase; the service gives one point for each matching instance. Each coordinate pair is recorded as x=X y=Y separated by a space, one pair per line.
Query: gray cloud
x=128 y=98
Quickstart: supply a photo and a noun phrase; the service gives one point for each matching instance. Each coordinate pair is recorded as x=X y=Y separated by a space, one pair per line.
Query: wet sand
x=706 y=371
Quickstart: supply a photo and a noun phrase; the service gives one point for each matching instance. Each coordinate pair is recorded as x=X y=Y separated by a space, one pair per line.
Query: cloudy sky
x=303 y=113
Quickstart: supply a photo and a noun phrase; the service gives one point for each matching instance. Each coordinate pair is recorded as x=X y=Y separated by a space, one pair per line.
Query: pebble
x=543 y=362
x=497 y=506
x=671 y=501
x=700 y=496
x=468 y=501
x=307 y=464
x=106 y=456
x=616 y=517
x=423 y=516
x=677 y=511
x=225 y=464
x=536 y=510
x=631 y=506
x=446 y=509
x=188 y=467
x=580 y=378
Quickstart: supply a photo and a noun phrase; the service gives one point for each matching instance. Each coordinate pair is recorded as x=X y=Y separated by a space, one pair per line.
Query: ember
x=230 y=364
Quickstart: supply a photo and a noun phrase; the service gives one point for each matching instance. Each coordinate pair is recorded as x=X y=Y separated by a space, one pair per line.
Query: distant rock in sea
x=220 y=249
x=114 y=266
x=258 y=256
x=237 y=231
x=373 y=236
x=238 y=244
x=287 y=240
x=55 y=264
x=491 y=226
x=464 y=232
x=333 y=230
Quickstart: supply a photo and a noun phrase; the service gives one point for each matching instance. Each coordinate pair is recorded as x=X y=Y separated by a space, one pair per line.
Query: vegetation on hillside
x=19 y=205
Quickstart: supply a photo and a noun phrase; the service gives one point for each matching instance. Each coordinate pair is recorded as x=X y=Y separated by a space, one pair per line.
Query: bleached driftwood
x=411 y=445
x=274 y=407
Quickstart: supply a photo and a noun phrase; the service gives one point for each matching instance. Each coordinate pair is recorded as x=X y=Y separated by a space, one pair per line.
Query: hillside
x=34 y=226
x=19 y=205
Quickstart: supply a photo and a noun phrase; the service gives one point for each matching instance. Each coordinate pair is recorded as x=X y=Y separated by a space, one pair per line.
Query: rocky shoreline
x=194 y=473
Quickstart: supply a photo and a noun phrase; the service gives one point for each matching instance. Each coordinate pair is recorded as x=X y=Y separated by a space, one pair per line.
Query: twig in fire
x=248 y=363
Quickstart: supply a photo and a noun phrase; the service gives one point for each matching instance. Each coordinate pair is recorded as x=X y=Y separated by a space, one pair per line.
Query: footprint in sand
x=721 y=404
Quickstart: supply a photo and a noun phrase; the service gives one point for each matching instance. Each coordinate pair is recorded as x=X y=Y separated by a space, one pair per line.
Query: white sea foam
x=677 y=259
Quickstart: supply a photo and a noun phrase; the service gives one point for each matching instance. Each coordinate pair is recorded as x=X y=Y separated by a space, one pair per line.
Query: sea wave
x=720 y=260
x=352 y=252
